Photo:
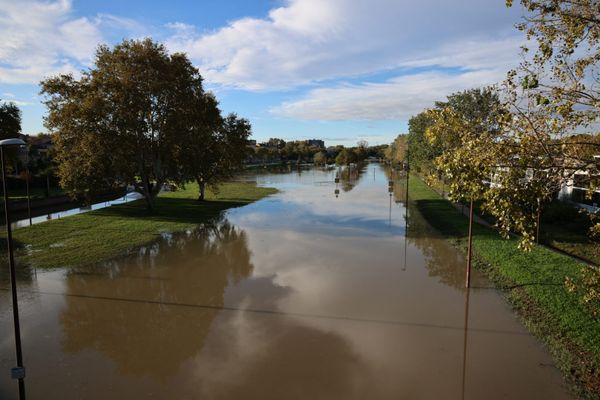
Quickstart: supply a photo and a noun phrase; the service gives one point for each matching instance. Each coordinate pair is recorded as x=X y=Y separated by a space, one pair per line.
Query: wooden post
x=537 y=226
x=28 y=196
x=465 y=341
x=469 y=249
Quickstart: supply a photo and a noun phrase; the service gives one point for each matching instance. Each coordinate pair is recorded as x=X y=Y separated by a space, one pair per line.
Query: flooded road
x=302 y=295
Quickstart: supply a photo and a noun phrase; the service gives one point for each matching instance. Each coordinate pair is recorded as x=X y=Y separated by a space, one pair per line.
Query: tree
x=320 y=158
x=458 y=131
x=361 y=150
x=345 y=157
x=395 y=153
x=126 y=121
x=276 y=143
x=421 y=151
x=459 y=128
x=565 y=65
x=555 y=98
x=215 y=155
x=10 y=120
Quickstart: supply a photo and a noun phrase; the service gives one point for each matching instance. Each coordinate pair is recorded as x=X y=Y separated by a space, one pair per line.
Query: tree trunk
x=47 y=185
x=148 y=195
x=201 y=188
x=149 y=202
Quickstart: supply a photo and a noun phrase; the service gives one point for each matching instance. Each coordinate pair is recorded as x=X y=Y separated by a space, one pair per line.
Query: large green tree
x=320 y=158
x=216 y=149
x=395 y=153
x=421 y=152
x=10 y=120
x=554 y=94
x=345 y=157
x=555 y=98
x=125 y=121
x=459 y=127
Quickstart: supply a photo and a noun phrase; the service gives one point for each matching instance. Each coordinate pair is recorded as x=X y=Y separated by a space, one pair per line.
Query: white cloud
x=474 y=63
x=309 y=41
x=19 y=103
x=44 y=38
x=303 y=42
x=396 y=99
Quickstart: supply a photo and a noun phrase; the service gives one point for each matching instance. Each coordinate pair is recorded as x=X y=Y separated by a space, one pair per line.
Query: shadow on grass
x=4 y=242
x=443 y=217
x=548 y=235
x=172 y=209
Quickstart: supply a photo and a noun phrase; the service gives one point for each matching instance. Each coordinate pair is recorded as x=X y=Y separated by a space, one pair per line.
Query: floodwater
x=74 y=211
x=302 y=295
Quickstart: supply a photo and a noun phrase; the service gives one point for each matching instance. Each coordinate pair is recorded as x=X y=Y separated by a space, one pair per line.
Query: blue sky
x=334 y=69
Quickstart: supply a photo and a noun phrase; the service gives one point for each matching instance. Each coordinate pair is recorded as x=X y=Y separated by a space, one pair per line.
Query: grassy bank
x=563 y=227
x=534 y=284
x=109 y=232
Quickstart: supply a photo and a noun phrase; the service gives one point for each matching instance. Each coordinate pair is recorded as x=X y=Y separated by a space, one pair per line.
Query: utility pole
x=537 y=235
x=27 y=177
x=19 y=371
x=407 y=175
x=469 y=250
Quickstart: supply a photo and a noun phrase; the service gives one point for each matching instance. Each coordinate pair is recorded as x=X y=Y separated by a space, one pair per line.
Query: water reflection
x=442 y=260
x=131 y=307
x=350 y=175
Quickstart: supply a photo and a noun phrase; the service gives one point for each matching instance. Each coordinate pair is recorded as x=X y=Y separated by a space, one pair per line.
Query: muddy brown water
x=302 y=295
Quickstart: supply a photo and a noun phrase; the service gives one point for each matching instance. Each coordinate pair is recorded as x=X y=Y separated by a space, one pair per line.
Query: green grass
x=534 y=283
x=563 y=227
x=109 y=232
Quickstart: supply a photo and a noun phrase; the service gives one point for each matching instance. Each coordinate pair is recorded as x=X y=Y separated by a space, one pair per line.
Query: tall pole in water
x=390 y=218
x=406 y=207
x=19 y=371
x=405 y=233
x=407 y=175
x=28 y=194
x=465 y=337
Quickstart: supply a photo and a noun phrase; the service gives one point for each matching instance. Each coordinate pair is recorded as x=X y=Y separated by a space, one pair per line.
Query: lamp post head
x=12 y=142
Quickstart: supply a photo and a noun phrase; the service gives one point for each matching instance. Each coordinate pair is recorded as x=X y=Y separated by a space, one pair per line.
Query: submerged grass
x=534 y=283
x=109 y=232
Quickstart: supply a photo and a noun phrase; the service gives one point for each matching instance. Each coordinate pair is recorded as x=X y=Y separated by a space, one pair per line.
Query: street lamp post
x=407 y=170
x=27 y=177
x=19 y=371
x=470 y=246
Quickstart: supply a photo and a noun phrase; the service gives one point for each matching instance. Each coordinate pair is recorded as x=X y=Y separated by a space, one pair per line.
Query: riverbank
x=563 y=227
x=534 y=284
x=110 y=232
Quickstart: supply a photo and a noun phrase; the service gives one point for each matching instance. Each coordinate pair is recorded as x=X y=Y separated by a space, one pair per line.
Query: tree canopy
x=395 y=153
x=457 y=128
x=140 y=117
x=10 y=120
